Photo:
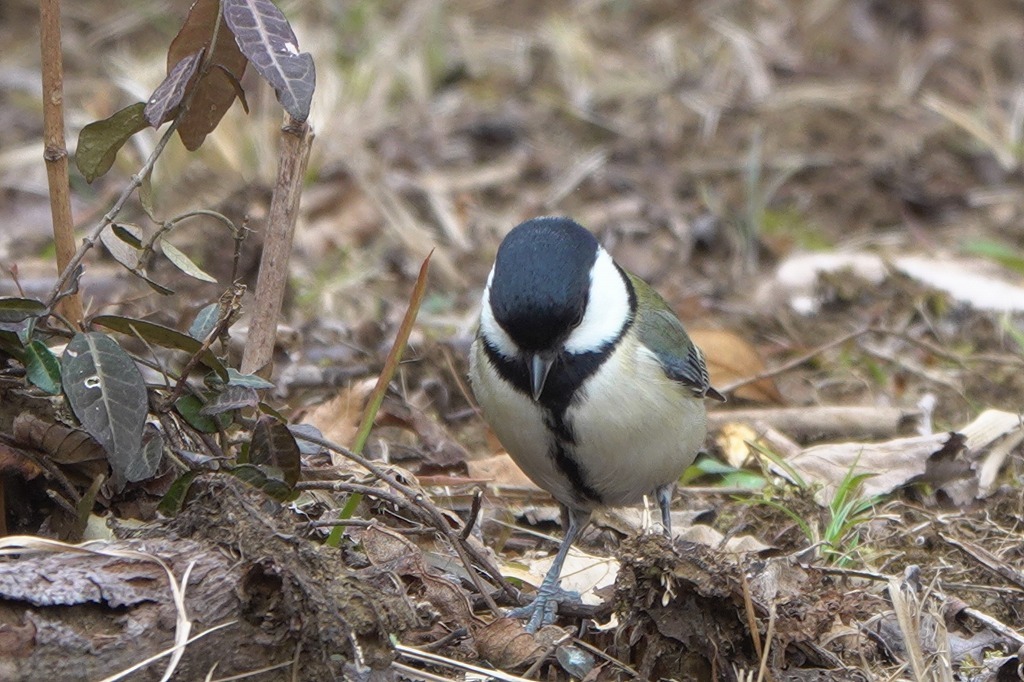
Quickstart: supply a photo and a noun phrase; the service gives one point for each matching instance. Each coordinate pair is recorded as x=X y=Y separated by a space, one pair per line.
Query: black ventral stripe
x=561 y=390
x=566 y=376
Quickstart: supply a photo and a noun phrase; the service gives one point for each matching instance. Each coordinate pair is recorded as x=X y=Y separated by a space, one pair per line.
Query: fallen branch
x=820 y=422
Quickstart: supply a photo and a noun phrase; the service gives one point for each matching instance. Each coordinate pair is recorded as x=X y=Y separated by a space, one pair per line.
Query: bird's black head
x=542 y=281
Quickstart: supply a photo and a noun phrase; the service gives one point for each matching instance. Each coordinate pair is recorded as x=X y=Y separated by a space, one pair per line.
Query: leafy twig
x=229 y=310
x=111 y=215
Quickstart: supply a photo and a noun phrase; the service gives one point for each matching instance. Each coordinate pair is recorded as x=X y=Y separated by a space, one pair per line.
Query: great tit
x=588 y=379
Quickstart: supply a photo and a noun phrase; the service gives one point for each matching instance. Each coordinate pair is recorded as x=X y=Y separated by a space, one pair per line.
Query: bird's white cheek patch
x=607 y=308
x=490 y=328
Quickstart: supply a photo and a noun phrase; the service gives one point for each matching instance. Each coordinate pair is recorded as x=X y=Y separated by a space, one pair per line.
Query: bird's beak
x=539 y=368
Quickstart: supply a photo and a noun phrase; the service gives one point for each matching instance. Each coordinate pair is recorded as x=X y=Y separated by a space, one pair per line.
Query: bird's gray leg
x=542 y=610
x=664 y=495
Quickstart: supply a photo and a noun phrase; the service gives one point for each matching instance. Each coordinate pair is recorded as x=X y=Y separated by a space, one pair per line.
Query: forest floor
x=831 y=196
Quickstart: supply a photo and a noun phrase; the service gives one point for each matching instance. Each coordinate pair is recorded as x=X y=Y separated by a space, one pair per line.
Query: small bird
x=587 y=378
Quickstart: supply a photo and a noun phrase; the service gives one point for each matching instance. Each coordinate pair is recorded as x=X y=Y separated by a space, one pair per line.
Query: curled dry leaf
x=13 y=462
x=506 y=645
x=63 y=444
x=891 y=465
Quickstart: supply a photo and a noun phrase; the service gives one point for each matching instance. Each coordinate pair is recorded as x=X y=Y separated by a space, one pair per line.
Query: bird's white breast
x=635 y=429
x=519 y=424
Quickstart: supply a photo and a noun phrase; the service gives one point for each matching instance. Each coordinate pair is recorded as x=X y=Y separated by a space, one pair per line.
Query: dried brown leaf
x=439 y=447
x=506 y=645
x=892 y=464
x=13 y=462
x=63 y=444
x=500 y=471
x=338 y=418
x=215 y=91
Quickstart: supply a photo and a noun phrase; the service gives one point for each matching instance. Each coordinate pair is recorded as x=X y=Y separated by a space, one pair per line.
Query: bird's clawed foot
x=544 y=607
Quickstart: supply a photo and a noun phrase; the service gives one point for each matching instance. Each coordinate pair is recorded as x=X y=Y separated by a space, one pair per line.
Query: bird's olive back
x=541 y=281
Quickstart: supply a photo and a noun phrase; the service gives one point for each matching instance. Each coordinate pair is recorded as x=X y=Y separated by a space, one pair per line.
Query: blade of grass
x=386 y=374
x=791 y=473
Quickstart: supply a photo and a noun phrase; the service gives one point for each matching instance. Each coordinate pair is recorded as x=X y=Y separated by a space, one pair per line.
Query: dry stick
x=993 y=624
x=748 y=607
x=362 y=489
x=769 y=635
x=55 y=151
x=986 y=559
x=364 y=523
x=817 y=421
x=795 y=362
x=110 y=215
x=436 y=519
x=296 y=140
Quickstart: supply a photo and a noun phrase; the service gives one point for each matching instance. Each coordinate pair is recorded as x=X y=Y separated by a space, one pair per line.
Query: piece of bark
x=73 y=616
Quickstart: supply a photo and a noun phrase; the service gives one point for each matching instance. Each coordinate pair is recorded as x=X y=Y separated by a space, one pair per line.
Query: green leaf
x=146 y=196
x=174 y=499
x=106 y=392
x=1004 y=254
x=303 y=431
x=260 y=478
x=744 y=479
x=190 y=408
x=11 y=344
x=42 y=367
x=146 y=465
x=231 y=398
x=162 y=336
x=705 y=466
x=266 y=409
x=164 y=103
x=20 y=309
x=264 y=35
x=155 y=286
x=99 y=142
x=206 y=320
x=184 y=263
x=273 y=444
x=236 y=378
